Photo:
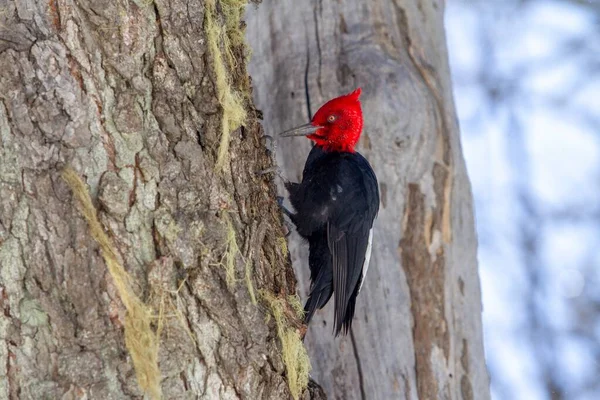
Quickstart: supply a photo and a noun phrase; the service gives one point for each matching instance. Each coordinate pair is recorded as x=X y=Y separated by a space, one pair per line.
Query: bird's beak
x=302 y=130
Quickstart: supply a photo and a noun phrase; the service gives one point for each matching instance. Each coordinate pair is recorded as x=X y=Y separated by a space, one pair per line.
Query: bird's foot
x=273 y=170
x=284 y=208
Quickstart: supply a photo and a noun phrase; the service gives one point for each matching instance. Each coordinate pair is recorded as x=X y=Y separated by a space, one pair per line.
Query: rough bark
x=417 y=330
x=124 y=92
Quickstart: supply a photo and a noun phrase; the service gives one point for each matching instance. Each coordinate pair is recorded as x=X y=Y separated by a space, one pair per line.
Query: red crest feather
x=355 y=94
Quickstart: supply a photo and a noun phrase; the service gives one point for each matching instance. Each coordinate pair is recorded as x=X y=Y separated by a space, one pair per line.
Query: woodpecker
x=335 y=206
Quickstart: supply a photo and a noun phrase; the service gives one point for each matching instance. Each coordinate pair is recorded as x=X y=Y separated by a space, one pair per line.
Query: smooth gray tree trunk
x=126 y=95
x=417 y=331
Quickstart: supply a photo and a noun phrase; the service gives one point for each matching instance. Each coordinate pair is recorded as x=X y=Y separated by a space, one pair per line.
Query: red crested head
x=336 y=126
x=341 y=123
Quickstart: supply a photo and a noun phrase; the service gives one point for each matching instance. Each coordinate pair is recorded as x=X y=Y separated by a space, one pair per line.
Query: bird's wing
x=348 y=250
x=348 y=230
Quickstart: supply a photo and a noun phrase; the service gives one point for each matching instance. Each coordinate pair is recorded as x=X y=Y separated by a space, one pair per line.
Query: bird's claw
x=287 y=212
x=273 y=170
x=283 y=208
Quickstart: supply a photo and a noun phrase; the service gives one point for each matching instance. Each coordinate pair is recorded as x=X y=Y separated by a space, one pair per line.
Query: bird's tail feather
x=316 y=301
x=346 y=322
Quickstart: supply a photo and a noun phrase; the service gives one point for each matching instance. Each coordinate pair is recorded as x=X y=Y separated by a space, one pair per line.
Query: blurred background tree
x=417 y=332
x=526 y=77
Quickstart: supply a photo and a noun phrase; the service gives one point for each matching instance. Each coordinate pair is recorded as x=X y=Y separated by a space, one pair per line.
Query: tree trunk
x=417 y=331
x=138 y=105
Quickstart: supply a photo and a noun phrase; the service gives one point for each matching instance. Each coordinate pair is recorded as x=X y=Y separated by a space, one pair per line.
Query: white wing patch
x=367 y=259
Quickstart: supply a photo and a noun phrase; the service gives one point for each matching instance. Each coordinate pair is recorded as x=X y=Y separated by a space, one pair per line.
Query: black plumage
x=335 y=206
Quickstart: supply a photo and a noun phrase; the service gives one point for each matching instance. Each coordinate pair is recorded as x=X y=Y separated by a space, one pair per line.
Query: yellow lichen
x=169 y=307
x=225 y=36
x=233 y=11
x=283 y=244
x=296 y=304
x=140 y=339
x=231 y=252
x=295 y=357
x=228 y=260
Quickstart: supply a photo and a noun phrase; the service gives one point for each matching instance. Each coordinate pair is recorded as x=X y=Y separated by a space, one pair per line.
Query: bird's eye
x=331 y=118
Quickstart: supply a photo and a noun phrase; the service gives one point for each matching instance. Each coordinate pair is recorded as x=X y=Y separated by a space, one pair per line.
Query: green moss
x=228 y=261
x=296 y=304
x=221 y=39
x=295 y=357
x=233 y=11
x=140 y=339
x=283 y=245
